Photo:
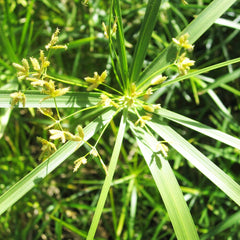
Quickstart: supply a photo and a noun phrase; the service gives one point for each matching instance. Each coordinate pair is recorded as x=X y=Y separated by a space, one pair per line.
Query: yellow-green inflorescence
x=182 y=62
x=134 y=98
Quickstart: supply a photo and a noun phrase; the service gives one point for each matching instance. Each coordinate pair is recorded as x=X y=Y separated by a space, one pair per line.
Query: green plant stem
x=58 y=114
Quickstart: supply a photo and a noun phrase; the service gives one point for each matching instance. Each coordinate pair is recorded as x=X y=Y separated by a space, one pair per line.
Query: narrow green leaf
x=7 y=46
x=80 y=42
x=207 y=18
x=167 y=186
x=121 y=44
x=109 y=177
x=199 y=127
x=41 y=171
x=70 y=227
x=222 y=226
x=5 y=113
x=69 y=100
x=228 y=23
x=26 y=26
x=223 y=79
x=146 y=30
x=201 y=162
x=203 y=70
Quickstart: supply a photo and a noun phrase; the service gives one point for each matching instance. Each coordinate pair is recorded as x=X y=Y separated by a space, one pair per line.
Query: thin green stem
x=58 y=114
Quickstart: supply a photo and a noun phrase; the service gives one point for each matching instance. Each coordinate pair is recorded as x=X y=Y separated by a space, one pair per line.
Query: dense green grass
x=61 y=206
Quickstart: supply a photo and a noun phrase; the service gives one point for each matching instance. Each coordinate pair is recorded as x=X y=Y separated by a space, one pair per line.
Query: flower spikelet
x=142 y=120
x=163 y=148
x=94 y=152
x=54 y=40
x=47 y=148
x=49 y=89
x=57 y=134
x=35 y=64
x=148 y=108
x=80 y=132
x=105 y=30
x=158 y=79
x=148 y=93
x=18 y=97
x=44 y=62
x=64 y=135
x=23 y=70
x=36 y=82
x=106 y=101
x=184 y=64
x=183 y=42
x=79 y=162
x=96 y=80
x=184 y=2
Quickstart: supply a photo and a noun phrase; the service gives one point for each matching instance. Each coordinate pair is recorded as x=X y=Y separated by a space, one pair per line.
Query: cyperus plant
x=129 y=98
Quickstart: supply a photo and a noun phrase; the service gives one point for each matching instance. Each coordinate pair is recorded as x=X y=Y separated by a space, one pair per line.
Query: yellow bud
x=105 y=30
x=158 y=79
x=148 y=108
x=79 y=162
x=147 y=117
x=46 y=111
x=57 y=134
x=80 y=131
x=183 y=42
x=19 y=67
x=94 y=152
x=25 y=64
x=114 y=28
x=160 y=147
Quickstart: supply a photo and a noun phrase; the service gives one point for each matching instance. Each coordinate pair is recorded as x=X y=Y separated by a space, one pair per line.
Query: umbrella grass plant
x=130 y=102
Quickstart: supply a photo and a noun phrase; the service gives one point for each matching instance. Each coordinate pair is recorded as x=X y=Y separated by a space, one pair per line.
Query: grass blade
x=202 y=128
x=69 y=100
x=144 y=38
x=26 y=26
x=201 y=162
x=204 y=70
x=109 y=177
x=222 y=226
x=121 y=44
x=41 y=171
x=222 y=80
x=168 y=187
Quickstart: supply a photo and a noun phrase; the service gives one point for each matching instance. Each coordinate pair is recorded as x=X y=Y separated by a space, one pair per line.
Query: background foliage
x=63 y=204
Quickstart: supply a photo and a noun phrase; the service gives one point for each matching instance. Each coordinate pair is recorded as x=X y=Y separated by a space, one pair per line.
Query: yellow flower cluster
x=184 y=63
x=184 y=42
x=38 y=77
x=18 y=97
x=96 y=80
x=54 y=40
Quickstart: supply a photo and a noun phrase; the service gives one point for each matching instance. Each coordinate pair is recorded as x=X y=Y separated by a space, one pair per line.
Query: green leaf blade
x=168 y=187
x=201 y=162
x=69 y=100
x=121 y=44
x=146 y=30
x=202 y=128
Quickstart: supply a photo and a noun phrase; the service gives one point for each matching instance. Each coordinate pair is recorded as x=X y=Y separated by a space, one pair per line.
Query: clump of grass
x=143 y=122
